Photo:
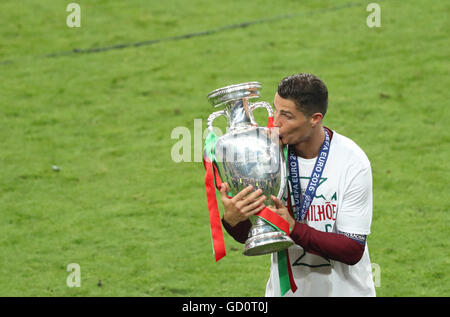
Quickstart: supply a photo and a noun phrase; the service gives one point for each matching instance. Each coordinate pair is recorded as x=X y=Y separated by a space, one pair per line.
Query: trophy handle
x=213 y=116
x=261 y=104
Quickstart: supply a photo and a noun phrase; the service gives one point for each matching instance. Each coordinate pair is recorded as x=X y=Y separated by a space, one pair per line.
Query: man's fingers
x=255 y=204
x=278 y=203
x=223 y=190
x=243 y=193
x=256 y=210
x=253 y=196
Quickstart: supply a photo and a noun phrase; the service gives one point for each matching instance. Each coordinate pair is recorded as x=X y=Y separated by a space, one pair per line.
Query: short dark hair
x=307 y=91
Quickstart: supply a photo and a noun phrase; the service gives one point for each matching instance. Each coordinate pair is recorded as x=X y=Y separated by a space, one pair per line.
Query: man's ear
x=316 y=118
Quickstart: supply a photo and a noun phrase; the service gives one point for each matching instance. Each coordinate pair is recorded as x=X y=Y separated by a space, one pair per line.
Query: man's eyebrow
x=286 y=112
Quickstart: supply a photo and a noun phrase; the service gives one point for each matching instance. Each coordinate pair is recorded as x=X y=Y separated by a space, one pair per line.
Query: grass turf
x=134 y=219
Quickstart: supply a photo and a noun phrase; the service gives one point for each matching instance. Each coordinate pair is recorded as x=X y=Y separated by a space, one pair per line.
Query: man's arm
x=338 y=247
x=240 y=231
x=334 y=246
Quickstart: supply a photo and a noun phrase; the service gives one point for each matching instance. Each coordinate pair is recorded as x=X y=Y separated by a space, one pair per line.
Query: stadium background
x=86 y=116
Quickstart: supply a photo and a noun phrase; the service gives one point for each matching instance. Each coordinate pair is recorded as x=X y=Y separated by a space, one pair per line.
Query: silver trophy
x=250 y=155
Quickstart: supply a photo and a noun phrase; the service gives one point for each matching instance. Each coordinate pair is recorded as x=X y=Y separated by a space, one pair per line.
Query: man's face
x=294 y=126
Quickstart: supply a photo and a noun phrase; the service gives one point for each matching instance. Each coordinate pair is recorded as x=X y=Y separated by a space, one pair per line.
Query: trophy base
x=267 y=243
x=264 y=239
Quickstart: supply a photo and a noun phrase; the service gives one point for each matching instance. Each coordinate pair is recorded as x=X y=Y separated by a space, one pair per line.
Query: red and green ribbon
x=212 y=180
x=285 y=275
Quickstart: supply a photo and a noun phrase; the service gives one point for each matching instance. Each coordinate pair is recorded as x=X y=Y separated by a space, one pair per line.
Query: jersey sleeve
x=355 y=213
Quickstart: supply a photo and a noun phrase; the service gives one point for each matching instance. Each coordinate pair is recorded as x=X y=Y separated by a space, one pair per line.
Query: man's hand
x=282 y=211
x=242 y=205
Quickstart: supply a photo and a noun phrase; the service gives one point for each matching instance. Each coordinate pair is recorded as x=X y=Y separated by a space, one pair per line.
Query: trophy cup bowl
x=250 y=155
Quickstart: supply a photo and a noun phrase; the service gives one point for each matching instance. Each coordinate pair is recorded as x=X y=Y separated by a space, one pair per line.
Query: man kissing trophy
x=247 y=154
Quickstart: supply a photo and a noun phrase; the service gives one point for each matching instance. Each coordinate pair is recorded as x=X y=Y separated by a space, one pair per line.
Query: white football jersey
x=342 y=203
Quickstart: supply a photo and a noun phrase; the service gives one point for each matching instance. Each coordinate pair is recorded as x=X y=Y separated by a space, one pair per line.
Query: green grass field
x=129 y=215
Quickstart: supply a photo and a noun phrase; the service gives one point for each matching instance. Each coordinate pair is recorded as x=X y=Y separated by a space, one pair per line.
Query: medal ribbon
x=285 y=275
x=301 y=206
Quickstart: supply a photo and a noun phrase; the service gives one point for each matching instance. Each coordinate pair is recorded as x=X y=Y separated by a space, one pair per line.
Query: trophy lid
x=222 y=95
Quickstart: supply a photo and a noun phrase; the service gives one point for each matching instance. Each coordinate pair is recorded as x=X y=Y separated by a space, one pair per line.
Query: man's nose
x=276 y=121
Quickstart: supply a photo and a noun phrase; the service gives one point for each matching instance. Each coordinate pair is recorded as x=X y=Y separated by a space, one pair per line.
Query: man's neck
x=310 y=147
